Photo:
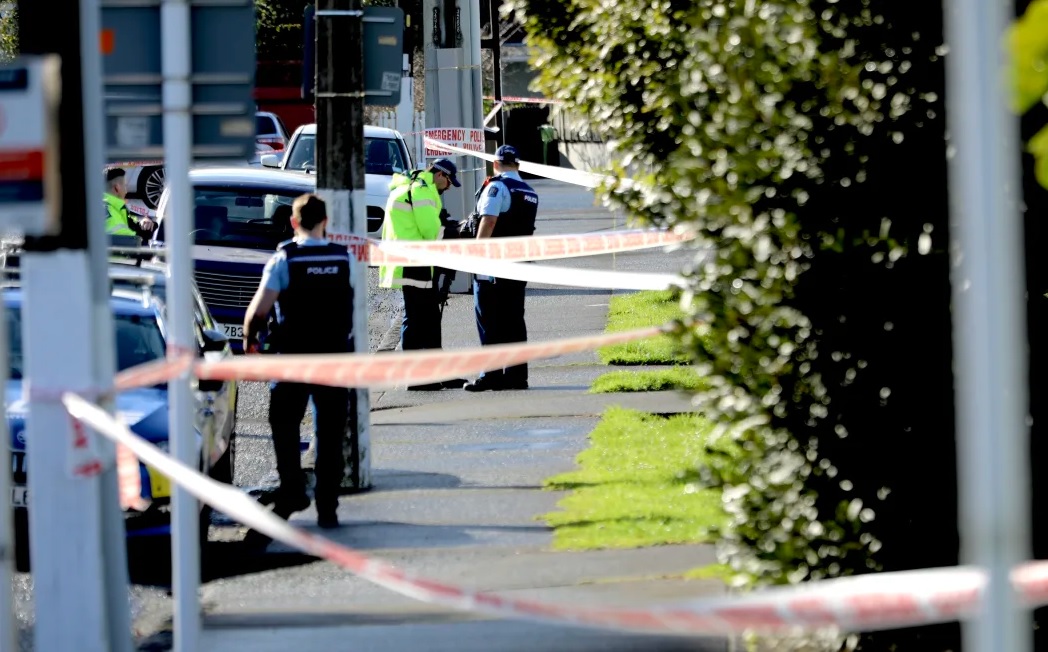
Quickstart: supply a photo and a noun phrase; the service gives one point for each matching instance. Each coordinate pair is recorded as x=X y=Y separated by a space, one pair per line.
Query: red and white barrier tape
x=520 y=249
x=864 y=603
x=532 y=248
x=547 y=274
x=371 y=370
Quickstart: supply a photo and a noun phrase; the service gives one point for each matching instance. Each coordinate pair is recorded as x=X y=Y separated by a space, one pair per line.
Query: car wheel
x=151 y=186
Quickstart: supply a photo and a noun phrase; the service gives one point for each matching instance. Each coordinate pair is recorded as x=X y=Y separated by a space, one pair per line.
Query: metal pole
x=178 y=139
x=8 y=630
x=989 y=319
x=473 y=100
x=64 y=275
x=114 y=540
x=496 y=60
x=340 y=181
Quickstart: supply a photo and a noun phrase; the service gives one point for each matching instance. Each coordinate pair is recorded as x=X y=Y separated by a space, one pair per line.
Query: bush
x=805 y=140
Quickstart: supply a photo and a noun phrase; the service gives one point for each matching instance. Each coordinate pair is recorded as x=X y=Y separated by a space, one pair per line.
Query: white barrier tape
x=373 y=370
x=864 y=603
x=575 y=177
x=547 y=274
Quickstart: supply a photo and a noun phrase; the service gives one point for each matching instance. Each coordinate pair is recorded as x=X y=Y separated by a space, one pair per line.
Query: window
x=264 y=125
x=138 y=340
x=381 y=155
x=251 y=218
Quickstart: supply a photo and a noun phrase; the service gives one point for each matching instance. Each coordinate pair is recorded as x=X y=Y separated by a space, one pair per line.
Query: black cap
x=448 y=168
x=114 y=173
x=507 y=154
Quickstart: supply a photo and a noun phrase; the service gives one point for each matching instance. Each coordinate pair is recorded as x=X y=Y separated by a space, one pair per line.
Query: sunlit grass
x=640 y=310
x=657 y=380
x=636 y=485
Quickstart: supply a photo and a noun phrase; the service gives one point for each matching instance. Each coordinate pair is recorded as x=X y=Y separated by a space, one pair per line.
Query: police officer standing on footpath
x=413 y=212
x=305 y=286
x=506 y=207
x=119 y=220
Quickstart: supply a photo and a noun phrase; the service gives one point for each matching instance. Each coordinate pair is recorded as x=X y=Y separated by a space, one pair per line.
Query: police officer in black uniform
x=304 y=305
x=506 y=207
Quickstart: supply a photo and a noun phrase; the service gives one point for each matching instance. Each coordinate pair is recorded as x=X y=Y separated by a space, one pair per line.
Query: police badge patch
x=493 y=191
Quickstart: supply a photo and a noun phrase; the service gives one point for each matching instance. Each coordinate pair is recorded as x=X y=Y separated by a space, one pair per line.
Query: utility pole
x=76 y=531
x=340 y=182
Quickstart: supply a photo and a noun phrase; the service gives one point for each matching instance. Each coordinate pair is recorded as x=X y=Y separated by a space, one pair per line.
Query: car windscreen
x=138 y=340
x=242 y=217
x=381 y=155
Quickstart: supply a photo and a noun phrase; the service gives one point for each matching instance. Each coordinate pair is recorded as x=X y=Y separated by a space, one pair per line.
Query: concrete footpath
x=457 y=497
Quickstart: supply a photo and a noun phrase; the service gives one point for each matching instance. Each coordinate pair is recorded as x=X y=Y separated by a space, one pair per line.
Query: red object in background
x=278 y=89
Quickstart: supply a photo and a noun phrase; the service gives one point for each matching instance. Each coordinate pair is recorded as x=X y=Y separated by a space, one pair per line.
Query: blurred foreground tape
x=865 y=603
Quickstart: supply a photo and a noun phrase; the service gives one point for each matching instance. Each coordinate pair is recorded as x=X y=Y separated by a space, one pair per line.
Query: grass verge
x=657 y=380
x=636 y=485
x=640 y=310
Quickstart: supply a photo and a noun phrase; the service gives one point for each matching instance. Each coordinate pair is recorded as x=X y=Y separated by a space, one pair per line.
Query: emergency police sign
x=29 y=94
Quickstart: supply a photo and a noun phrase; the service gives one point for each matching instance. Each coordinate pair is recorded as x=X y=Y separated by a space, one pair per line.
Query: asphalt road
x=451 y=498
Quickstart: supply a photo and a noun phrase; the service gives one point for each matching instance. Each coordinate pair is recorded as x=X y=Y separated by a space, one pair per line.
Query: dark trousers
x=287 y=406
x=420 y=328
x=499 y=307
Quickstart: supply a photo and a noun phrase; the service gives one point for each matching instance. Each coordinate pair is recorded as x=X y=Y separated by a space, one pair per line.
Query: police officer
x=119 y=220
x=305 y=286
x=507 y=207
x=413 y=212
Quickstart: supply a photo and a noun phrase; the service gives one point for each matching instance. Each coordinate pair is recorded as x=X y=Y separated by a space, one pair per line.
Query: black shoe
x=483 y=384
x=327 y=519
x=515 y=384
x=285 y=507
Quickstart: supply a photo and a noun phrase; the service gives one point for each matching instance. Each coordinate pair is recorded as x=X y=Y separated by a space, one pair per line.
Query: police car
x=137 y=302
x=240 y=215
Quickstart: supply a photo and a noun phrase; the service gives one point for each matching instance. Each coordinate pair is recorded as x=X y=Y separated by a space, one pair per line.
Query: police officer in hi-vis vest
x=506 y=207
x=305 y=288
x=119 y=220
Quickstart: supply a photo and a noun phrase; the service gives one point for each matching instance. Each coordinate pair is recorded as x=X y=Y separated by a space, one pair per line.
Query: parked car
x=270 y=130
x=385 y=153
x=146 y=180
x=139 y=315
x=145 y=183
x=240 y=216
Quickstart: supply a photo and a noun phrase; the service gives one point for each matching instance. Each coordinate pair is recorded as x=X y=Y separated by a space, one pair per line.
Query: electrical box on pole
x=382 y=52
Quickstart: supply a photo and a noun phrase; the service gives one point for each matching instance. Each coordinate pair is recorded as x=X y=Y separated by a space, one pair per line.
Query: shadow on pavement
x=149 y=563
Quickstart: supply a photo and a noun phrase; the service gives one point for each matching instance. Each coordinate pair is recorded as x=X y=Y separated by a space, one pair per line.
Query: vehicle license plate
x=233 y=331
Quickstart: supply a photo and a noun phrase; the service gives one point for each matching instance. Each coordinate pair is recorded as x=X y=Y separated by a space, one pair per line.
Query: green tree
x=1028 y=46
x=804 y=140
x=9 y=33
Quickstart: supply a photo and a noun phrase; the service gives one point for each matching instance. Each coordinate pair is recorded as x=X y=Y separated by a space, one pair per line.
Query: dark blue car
x=140 y=331
x=240 y=215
